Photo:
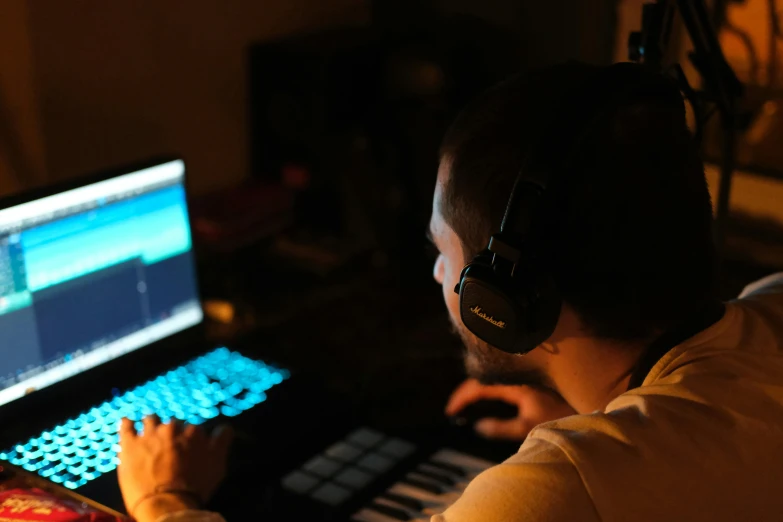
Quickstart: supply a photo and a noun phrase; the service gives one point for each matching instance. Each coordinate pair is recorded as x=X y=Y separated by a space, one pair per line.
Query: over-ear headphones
x=506 y=297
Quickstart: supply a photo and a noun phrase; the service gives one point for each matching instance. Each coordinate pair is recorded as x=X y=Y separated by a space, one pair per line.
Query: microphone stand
x=720 y=86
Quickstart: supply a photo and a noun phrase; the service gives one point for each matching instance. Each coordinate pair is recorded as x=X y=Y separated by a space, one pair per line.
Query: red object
x=241 y=215
x=296 y=176
x=38 y=505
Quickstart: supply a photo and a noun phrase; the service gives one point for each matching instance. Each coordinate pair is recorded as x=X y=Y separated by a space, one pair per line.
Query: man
x=650 y=400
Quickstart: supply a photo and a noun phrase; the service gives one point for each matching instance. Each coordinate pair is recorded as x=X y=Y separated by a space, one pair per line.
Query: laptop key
x=91 y=475
x=193 y=391
x=70 y=460
x=77 y=470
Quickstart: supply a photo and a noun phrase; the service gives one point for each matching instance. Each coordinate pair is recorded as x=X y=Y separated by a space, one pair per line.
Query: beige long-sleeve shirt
x=701 y=439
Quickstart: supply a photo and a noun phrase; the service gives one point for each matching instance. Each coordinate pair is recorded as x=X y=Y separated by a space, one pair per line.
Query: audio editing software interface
x=90 y=274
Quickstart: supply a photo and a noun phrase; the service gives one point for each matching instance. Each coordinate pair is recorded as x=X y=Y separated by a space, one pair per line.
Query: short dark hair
x=625 y=226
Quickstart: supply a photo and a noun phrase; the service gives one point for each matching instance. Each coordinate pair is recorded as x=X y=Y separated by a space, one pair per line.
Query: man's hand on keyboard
x=169 y=467
x=534 y=407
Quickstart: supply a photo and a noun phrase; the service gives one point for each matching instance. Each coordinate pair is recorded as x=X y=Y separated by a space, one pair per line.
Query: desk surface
x=384 y=346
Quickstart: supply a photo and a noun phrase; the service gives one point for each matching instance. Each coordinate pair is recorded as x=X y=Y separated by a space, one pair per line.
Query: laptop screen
x=90 y=274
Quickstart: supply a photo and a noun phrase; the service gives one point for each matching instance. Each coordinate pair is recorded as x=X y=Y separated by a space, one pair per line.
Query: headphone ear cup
x=512 y=316
x=543 y=304
x=487 y=310
x=480 y=262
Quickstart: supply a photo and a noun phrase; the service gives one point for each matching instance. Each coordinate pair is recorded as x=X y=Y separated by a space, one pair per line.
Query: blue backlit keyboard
x=82 y=449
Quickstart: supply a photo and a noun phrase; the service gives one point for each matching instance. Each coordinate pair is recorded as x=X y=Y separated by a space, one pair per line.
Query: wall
x=21 y=141
x=753 y=18
x=550 y=31
x=104 y=83
x=120 y=81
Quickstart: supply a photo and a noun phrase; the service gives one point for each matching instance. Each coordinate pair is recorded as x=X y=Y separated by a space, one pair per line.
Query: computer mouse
x=486 y=408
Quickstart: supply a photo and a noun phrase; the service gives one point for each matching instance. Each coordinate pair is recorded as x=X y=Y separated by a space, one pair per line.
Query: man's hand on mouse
x=169 y=467
x=534 y=407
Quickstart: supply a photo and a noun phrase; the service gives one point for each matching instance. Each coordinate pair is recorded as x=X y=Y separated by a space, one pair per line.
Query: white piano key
x=461 y=482
x=463 y=460
x=432 y=503
x=405 y=501
x=424 y=478
x=443 y=500
x=368 y=515
x=415 y=515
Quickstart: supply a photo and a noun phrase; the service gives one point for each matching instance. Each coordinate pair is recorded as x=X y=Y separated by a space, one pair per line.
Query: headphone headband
x=506 y=298
x=582 y=106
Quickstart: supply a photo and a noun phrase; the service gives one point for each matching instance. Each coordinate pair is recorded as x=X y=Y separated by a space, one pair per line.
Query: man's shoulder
x=531 y=485
x=696 y=427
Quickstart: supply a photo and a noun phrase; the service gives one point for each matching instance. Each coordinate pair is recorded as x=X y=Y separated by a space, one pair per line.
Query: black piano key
x=441 y=478
x=449 y=468
x=389 y=511
x=426 y=486
x=408 y=502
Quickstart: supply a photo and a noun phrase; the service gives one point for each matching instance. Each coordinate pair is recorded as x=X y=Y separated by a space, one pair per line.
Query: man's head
x=625 y=224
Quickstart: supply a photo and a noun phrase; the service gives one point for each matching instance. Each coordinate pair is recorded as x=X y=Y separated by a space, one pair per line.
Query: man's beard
x=492 y=366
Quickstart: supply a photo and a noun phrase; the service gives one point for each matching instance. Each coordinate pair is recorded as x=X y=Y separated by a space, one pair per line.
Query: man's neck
x=589 y=372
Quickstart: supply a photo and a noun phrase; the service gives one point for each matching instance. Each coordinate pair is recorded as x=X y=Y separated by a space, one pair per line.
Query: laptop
x=100 y=319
